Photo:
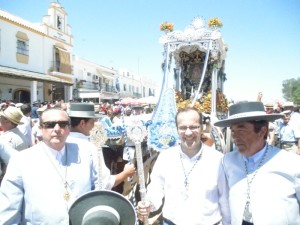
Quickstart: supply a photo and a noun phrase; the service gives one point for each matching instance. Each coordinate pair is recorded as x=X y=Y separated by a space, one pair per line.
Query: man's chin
x=56 y=141
x=240 y=148
x=189 y=144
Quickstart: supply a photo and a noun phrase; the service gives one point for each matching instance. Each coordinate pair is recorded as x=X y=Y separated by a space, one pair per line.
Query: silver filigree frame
x=194 y=37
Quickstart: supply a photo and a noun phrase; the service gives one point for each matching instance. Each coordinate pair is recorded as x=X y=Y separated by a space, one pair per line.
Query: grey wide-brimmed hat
x=247 y=111
x=13 y=114
x=102 y=207
x=82 y=110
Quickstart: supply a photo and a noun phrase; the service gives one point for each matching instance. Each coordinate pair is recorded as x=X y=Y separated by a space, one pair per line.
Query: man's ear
x=82 y=123
x=264 y=131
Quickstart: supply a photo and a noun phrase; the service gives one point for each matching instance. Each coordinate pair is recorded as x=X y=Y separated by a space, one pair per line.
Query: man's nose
x=188 y=131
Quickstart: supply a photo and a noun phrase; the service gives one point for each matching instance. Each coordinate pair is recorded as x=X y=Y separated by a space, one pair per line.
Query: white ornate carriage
x=193 y=65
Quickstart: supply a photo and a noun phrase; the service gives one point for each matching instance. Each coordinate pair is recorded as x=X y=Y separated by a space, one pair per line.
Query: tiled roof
x=20 y=21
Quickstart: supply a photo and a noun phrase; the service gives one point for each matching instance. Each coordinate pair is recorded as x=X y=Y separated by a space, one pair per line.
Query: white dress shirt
x=205 y=202
x=33 y=191
x=26 y=129
x=274 y=191
x=107 y=179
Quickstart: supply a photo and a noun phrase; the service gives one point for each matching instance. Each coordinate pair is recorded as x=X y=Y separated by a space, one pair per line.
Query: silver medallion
x=185 y=193
x=247 y=212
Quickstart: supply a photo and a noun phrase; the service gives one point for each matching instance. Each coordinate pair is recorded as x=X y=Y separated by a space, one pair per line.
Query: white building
x=132 y=85
x=93 y=82
x=36 y=64
x=97 y=83
x=35 y=61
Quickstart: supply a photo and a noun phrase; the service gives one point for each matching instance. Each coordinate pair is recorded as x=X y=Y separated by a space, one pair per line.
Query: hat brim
x=230 y=121
x=112 y=199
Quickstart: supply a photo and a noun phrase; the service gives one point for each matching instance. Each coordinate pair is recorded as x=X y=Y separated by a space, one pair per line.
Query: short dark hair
x=76 y=120
x=258 y=124
x=187 y=109
x=25 y=108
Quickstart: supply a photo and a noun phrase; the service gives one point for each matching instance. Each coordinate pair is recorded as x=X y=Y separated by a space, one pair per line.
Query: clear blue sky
x=263 y=36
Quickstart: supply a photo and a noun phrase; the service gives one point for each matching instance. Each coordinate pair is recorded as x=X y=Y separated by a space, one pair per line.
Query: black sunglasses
x=52 y=124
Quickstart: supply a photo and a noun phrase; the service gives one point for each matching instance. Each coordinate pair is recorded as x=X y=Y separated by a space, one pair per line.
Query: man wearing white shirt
x=10 y=118
x=39 y=187
x=26 y=127
x=83 y=117
x=264 y=181
x=289 y=134
x=190 y=178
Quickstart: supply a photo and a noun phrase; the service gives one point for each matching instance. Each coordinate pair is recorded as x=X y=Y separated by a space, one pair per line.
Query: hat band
x=247 y=114
x=82 y=114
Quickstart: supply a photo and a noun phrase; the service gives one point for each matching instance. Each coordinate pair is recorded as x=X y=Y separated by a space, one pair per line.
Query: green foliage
x=291 y=90
x=297 y=95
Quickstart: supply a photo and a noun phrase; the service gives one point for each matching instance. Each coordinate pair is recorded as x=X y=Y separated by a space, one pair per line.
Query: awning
x=107 y=77
x=28 y=75
x=106 y=95
x=22 y=35
x=64 y=58
x=109 y=95
x=89 y=95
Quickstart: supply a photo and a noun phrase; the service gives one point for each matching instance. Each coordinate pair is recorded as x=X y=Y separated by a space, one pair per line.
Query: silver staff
x=98 y=137
x=137 y=133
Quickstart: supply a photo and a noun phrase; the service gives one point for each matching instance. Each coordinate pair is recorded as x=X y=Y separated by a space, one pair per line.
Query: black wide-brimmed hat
x=102 y=208
x=82 y=110
x=247 y=111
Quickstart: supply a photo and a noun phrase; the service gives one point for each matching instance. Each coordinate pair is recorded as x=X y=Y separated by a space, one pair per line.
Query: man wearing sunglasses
x=190 y=179
x=42 y=182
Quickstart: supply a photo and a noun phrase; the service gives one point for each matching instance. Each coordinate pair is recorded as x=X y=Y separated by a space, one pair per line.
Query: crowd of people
x=48 y=162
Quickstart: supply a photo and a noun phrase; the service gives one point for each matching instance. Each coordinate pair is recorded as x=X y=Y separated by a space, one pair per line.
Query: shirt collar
x=195 y=156
x=79 y=135
x=255 y=158
x=54 y=152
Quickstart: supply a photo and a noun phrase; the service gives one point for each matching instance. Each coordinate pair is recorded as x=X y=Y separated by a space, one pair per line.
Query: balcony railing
x=107 y=88
x=137 y=95
x=61 y=67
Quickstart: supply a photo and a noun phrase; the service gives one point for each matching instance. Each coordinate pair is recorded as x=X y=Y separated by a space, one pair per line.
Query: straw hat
x=13 y=114
x=82 y=110
x=247 y=111
x=102 y=207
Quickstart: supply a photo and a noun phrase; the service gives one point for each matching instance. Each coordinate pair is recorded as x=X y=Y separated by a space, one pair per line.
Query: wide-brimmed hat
x=102 y=207
x=288 y=104
x=247 y=111
x=82 y=110
x=13 y=114
x=18 y=105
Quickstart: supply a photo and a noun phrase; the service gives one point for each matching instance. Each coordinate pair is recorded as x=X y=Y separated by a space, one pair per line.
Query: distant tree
x=297 y=95
x=291 y=90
